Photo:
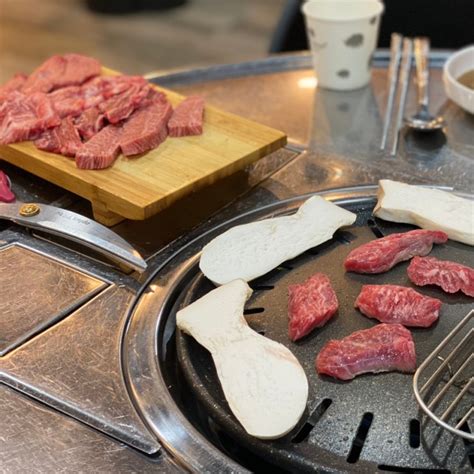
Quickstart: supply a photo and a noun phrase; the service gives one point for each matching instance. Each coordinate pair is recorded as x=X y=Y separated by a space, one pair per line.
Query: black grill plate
x=359 y=425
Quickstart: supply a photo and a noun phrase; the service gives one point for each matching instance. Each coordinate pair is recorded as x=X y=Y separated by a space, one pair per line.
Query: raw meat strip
x=121 y=106
x=146 y=128
x=101 y=88
x=109 y=86
x=68 y=101
x=64 y=139
x=25 y=117
x=382 y=254
x=310 y=305
x=187 y=118
x=118 y=84
x=383 y=348
x=152 y=97
x=61 y=71
x=6 y=194
x=43 y=77
x=398 y=304
x=450 y=276
x=14 y=84
x=78 y=69
x=101 y=150
x=90 y=122
x=93 y=90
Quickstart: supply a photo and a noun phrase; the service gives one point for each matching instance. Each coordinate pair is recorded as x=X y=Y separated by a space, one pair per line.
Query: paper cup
x=342 y=35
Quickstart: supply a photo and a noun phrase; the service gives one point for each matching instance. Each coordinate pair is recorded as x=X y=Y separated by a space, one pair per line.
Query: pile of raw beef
x=67 y=107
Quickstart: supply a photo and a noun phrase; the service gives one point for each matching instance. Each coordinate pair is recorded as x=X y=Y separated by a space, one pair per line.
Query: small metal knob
x=29 y=210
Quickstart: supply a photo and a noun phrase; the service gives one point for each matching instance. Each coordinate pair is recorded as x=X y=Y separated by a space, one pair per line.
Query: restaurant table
x=63 y=402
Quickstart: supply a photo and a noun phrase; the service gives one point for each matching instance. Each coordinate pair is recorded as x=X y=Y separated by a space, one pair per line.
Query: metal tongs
x=75 y=227
x=444 y=382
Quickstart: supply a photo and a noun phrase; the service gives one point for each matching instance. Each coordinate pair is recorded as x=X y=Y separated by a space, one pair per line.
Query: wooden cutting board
x=137 y=188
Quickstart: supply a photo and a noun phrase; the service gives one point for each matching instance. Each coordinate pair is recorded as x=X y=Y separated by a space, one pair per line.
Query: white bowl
x=456 y=66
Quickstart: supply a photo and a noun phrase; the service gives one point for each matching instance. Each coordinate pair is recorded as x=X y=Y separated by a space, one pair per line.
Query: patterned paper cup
x=342 y=35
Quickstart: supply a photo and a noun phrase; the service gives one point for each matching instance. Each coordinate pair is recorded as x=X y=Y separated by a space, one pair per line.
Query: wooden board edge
x=121 y=206
x=157 y=206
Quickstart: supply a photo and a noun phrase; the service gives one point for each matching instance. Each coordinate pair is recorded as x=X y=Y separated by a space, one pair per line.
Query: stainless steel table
x=65 y=405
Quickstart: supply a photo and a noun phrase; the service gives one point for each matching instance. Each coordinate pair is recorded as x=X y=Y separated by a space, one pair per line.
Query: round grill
x=369 y=423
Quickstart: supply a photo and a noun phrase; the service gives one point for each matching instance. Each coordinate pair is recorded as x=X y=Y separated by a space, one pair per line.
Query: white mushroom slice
x=251 y=250
x=427 y=208
x=263 y=382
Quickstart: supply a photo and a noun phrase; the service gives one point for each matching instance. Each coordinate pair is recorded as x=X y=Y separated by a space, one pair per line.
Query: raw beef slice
x=60 y=71
x=108 y=86
x=6 y=194
x=383 y=348
x=187 y=118
x=398 y=304
x=382 y=254
x=450 y=276
x=78 y=69
x=145 y=129
x=101 y=150
x=68 y=101
x=14 y=84
x=63 y=139
x=121 y=106
x=153 y=96
x=94 y=90
x=310 y=305
x=90 y=122
x=25 y=117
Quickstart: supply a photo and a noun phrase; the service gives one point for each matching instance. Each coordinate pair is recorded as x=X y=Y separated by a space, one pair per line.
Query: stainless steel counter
x=35 y=438
x=65 y=405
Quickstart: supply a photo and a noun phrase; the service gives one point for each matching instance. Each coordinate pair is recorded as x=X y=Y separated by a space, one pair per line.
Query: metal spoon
x=423 y=120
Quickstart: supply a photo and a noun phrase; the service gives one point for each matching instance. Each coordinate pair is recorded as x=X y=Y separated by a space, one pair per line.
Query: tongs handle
x=74 y=227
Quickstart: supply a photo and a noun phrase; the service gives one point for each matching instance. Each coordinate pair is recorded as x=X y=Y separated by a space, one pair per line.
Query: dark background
x=448 y=23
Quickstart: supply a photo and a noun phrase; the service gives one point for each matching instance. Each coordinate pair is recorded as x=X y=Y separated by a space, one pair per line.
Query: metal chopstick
x=405 y=68
x=395 y=55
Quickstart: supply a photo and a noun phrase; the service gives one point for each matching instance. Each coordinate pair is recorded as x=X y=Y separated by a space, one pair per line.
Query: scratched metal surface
x=75 y=367
x=35 y=438
x=52 y=290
